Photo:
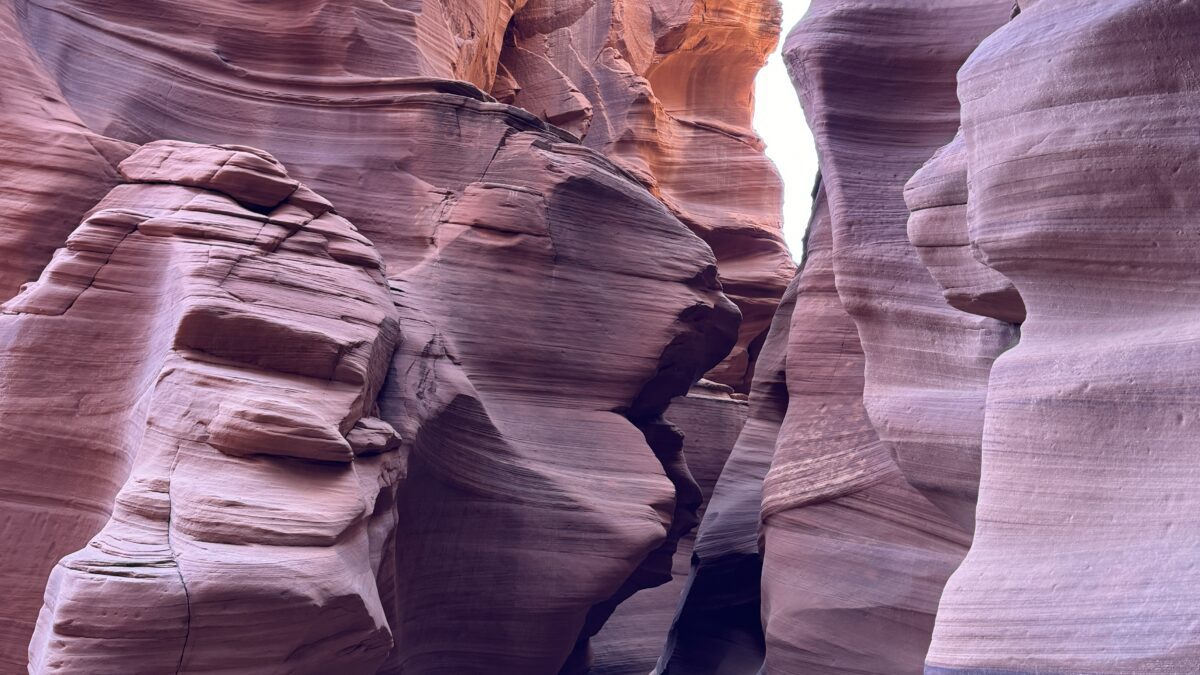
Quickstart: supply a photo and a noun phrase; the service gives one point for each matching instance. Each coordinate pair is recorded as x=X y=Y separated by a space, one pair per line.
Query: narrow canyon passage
x=462 y=336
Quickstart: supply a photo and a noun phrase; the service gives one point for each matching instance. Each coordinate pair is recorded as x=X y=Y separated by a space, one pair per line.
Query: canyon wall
x=362 y=370
x=664 y=88
x=1079 y=141
x=867 y=466
x=980 y=465
x=456 y=336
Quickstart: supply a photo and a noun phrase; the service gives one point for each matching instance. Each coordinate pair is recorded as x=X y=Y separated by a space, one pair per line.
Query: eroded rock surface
x=867 y=473
x=219 y=333
x=717 y=628
x=544 y=487
x=1077 y=138
x=520 y=480
x=665 y=89
x=710 y=419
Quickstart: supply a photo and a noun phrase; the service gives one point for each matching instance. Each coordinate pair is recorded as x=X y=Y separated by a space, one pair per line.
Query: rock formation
x=873 y=452
x=512 y=482
x=710 y=419
x=262 y=328
x=1060 y=205
x=368 y=337
x=665 y=89
x=1079 y=140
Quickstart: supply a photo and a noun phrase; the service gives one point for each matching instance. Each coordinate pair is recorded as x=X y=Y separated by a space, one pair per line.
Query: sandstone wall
x=513 y=481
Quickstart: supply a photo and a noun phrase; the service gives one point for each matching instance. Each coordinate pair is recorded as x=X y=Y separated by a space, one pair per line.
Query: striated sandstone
x=710 y=420
x=520 y=477
x=1079 y=143
x=665 y=90
x=215 y=444
x=868 y=472
x=543 y=486
x=52 y=167
x=877 y=81
x=717 y=628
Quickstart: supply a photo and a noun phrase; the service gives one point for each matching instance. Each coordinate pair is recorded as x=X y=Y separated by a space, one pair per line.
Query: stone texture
x=862 y=530
x=1078 y=138
x=717 y=628
x=543 y=486
x=241 y=434
x=52 y=167
x=867 y=472
x=517 y=479
x=710 y=419
x=664 y=88
x=245 y=344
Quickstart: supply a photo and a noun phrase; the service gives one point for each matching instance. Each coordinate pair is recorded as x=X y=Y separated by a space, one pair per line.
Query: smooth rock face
x=854 y=556
x=710 y=420
x=717 y=628
x=250 y=343
x=866 y=468
x=52 y=168
x=543 y=487
x=1079 y=140
x=665 y=89
x=873 y=451
x=516 y=480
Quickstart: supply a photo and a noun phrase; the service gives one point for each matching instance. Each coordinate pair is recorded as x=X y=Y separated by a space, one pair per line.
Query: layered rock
x=665 y=89
x=710 y=419
x=52 y=167
x=543 y=487
x=853 y=555
x=212 y=338
x=873 y=452
x=717 y=628
x=1078 y=140
x=552 y=307
x=877 y=81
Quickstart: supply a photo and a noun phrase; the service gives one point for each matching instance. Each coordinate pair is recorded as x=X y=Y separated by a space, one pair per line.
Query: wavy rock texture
x=873 y=452
x=710 y=420
x=877 y=81
x=542 y=481
x=717 y=628
x=52 y=168
x=552 y=307
x=938 y=227
x=1078 y=134
x=665 y=89
x=220 y=335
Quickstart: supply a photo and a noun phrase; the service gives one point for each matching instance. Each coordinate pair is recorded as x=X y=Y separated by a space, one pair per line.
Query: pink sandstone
x=665 y=89
x=1078 y=140
x=517 y=481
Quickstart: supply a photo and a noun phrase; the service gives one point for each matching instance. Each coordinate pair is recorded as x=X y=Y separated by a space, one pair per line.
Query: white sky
x=780 y=121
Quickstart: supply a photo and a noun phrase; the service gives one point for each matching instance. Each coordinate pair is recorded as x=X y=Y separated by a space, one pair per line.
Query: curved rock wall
x=873 y=453
x=1078 y=133
x=518 y=479
x=242 y=434
x=710 y=419
x=253 y=329
x=665 y=89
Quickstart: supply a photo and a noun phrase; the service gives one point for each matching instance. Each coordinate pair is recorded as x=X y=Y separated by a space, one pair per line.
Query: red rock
x=665 y=89
x=1078 y=132
x=52 y=167
x=717 y=628
x=533 y=395
x=552 y=307
x=710 y=419
x=873 y=451
x=199 y=422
